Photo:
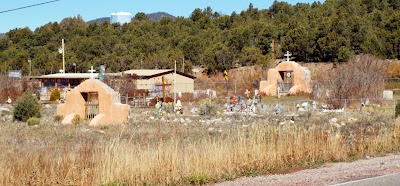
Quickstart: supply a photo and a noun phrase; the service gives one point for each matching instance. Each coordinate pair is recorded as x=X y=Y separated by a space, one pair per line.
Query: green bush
x=33 y=121
x=55 y=95
x=27 y=106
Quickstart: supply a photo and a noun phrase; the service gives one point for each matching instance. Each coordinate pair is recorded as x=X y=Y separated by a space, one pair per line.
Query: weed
x=197 y=179
x=33 y=121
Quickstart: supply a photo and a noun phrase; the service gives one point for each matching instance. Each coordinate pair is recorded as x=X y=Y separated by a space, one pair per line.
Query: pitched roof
x=150 y=73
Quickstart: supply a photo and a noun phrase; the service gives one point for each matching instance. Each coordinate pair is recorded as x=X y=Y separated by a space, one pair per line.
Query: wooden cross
x=91 y=71
x=288 y=54
x=163 y=85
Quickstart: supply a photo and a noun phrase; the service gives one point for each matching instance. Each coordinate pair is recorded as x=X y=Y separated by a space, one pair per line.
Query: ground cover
x=176 y=150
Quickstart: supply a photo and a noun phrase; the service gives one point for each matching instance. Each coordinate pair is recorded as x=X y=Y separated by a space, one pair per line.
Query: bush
x=207 y=108
x=55 y=95
x=58 y=118
x=76 y=120
x=33 y=121
x=397 y=110
x=27 y=106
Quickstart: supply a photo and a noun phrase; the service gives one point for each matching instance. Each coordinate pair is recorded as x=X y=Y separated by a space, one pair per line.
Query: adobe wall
x=111 y=111
x=301 y=79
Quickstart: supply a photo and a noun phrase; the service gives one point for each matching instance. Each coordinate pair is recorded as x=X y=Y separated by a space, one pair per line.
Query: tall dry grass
x=175 y=154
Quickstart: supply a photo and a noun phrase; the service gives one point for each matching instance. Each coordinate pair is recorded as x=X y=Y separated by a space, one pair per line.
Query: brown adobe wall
x=300 y=82
x=110 y=112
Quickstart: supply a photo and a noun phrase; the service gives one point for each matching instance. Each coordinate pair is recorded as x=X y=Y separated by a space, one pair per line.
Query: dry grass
x=170 y=153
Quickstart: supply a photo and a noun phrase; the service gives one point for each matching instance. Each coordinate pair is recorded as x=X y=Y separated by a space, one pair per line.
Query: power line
x=29 y=6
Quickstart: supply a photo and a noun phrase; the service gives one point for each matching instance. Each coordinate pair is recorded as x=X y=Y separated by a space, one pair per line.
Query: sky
x=37 y=16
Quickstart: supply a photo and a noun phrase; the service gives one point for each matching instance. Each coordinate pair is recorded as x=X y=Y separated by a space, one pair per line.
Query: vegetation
x=55 y=95
x=33 y=121
x=27 y=106
x=318 y=32
x=172 y=153
x=361 y=77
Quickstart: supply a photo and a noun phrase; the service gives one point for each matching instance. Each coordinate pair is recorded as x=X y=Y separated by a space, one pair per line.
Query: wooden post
x=273 y=54
x=163 y=85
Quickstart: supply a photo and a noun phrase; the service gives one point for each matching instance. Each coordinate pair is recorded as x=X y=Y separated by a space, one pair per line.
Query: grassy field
x=191 y=150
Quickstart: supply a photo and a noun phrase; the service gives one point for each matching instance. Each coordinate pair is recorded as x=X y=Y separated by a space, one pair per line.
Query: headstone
x=247 y=92
x=388 y=94
x=9 y=101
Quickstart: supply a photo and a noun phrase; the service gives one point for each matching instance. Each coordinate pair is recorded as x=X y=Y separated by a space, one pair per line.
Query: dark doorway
x=91 y=104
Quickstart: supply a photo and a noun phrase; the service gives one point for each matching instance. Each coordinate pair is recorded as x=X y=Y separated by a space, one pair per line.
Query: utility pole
x=63 y=55
x=174 y=85
x=30 y=66
x=273 y=54
x=183 y=64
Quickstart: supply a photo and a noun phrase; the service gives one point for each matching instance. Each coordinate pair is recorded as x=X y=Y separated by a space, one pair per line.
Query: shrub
x=207 y=108
x=55 y=95
x=57 y=118
x=76 y=120
x=33 y=121
x=397 y=111
x=27 y=106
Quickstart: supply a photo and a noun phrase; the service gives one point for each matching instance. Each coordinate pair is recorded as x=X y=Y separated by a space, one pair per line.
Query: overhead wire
x=10 y=10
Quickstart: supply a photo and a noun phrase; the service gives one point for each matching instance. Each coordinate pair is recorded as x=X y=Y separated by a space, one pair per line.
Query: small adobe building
x=287 y=77
x=147 y=79
x=93 y=100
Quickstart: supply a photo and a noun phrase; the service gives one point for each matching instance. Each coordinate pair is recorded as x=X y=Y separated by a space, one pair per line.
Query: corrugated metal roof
x=69 y=76
x=146 y=72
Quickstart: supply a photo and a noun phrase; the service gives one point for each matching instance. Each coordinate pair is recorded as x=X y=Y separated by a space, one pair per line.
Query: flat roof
x=68 y=76
x=150 y=73
x=141 y=73
x=147 y=72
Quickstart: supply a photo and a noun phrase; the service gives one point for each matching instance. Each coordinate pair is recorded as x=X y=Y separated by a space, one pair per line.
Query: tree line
x=332 y=31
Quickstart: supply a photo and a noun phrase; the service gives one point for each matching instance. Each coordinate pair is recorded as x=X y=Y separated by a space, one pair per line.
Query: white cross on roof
x=91 y=71
x=287 y=55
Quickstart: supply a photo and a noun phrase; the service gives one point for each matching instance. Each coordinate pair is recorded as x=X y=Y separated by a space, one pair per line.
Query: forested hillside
x=317 y=32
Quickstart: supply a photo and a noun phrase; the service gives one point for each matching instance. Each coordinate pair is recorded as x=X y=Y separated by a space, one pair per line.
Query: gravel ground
x=328 y=174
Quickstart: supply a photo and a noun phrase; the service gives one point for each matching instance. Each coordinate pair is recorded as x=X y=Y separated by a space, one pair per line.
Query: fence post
x=345 y=104
x=126 y=98
x=144 y=100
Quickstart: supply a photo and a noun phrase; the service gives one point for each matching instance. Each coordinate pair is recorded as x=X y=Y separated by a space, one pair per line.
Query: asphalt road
x=385 y=180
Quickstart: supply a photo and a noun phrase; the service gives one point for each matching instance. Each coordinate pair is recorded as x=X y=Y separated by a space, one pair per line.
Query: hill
x=153 y=17
x=332 y=31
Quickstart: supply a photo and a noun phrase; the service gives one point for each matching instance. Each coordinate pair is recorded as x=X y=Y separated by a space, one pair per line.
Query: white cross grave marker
x=287 y=55
x=247 y=92
x=91 y=71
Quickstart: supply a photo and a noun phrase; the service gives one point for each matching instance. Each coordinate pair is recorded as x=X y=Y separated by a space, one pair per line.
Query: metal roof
x=141 y=73
x=68 y=76
x=147 y=72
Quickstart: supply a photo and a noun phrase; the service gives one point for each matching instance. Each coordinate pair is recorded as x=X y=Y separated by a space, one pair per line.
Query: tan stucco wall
x=301 y=83
x=183 y=83
x=110 y=112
